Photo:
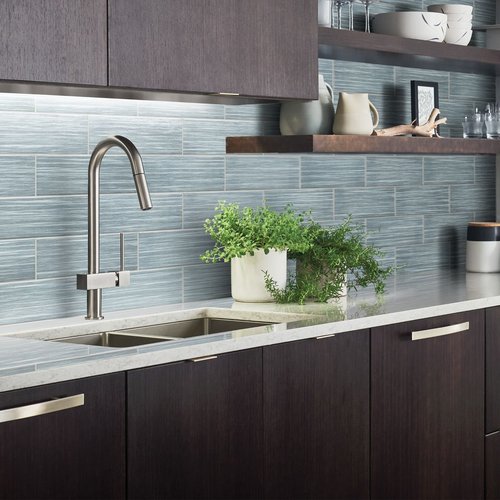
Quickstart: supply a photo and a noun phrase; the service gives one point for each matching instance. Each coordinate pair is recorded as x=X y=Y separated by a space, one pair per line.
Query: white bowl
x=459 y=26
x=450 y=8
x=458 y=36
x=429 y=26
x=459 y=18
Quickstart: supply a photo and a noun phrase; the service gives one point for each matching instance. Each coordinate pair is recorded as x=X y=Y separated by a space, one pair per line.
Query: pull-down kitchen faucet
x=95 y=281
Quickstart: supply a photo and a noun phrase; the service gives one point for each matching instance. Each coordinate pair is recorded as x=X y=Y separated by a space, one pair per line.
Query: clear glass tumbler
x=337 y=17
x=473 y=126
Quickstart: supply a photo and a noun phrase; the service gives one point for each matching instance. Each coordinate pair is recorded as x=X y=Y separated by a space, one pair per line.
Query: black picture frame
x=424 y=98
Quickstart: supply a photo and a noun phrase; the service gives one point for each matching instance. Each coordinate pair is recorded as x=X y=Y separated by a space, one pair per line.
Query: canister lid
x=483 y=231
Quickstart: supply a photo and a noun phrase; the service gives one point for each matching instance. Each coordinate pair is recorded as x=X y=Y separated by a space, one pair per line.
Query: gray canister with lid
x=483 y=247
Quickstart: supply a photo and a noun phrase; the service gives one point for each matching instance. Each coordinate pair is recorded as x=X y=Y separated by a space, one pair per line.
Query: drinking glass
x=473 y=125
x=337 y=6
x=367 y=4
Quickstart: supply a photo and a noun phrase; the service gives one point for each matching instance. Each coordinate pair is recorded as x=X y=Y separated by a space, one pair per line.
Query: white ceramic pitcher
x=354 y=115
x=310 y=117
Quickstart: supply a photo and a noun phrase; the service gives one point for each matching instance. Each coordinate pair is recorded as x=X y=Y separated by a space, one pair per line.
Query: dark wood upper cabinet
x=195 y=429
x=76 y=453
x=55 y=41
x=256 y=48
x=493 y=369
x=316 y=418
x=427 y=414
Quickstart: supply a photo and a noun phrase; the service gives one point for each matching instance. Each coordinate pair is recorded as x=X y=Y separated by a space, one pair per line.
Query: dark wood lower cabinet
x=76 y=453
x=492 y=476
x=195 y=429
x=316 y=418
x=427 y=423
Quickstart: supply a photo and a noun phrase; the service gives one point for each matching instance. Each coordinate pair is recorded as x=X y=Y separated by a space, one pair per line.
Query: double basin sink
x=163 y=332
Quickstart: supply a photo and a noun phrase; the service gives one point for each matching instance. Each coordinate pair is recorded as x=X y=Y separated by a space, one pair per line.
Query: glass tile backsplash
x=415 y=207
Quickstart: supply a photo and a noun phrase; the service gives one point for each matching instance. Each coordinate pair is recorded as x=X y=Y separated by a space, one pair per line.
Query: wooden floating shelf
x=353 y=144
x=395 y=51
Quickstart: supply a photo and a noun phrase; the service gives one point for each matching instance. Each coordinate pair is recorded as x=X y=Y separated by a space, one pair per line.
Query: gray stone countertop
x=29 y=358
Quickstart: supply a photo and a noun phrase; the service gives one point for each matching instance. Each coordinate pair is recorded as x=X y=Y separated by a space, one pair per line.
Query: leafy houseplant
x=255 y=241
x=337 y=257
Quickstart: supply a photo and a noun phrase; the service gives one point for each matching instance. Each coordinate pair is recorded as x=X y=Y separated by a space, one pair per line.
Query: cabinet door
x=492 y=475
x=257 y=48
x=57 y=41
x=493 y=369
x=316 y=418
x=428 y=410
x=77 y=452
x=195 y=429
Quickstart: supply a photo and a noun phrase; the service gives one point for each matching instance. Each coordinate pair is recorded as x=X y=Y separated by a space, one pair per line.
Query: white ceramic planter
x=247 y=275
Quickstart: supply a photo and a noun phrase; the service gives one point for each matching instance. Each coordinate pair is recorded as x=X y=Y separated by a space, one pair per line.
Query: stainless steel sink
x=113 y=339
x=194 y=327
x=163 y=332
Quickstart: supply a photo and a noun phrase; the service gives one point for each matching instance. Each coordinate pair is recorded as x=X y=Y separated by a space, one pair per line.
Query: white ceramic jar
x=309 y=117
x=483 y=247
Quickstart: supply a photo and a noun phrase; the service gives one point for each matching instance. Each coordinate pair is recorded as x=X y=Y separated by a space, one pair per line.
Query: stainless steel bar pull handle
x=438 y=332
x=34 y=410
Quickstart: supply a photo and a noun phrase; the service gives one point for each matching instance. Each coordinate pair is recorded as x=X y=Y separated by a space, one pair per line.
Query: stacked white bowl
x=459 y=22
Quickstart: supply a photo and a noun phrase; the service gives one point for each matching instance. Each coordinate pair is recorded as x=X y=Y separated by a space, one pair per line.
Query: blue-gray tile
x=392 y=111
x=485 y=170
x=18 y=176
x=33 y=133
x=319 y=201
x=466 y=198
x=150 y=135
x=446 y=227
x=43 y=216
x=122 y=213
x=364 y=202
x=147 y=289
x=387 y=232
x=405 y=75
x=165 y=174
x=207 y=281
x=422 y=200
x=464 y=85
x=325 y=68
x=58 y=257
x=332 y=171
x=448 y=170
x=85 y=105
x=426 y=257
x=265 y=112
x=181 y=109
x=484 y=12
x=40 y=299
x=197 y=207
x=363 y=77
x=209 y=137
x=17 y=102
x=485 y=215
x=172 y=248
x=262 y=172
x=393 y=171
x=17 y=260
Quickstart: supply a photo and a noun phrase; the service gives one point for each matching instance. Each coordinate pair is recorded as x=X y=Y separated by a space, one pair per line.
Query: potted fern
x=337 y=259
x=256 y=242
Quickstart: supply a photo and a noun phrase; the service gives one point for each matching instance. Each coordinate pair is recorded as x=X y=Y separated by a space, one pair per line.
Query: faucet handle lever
x=122 y=252
x=123 y=277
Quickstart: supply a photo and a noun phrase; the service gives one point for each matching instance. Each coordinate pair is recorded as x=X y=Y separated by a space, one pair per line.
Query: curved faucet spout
x=94 y=296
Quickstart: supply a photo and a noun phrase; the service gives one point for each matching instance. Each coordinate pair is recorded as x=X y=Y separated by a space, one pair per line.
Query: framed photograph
x=424 y=98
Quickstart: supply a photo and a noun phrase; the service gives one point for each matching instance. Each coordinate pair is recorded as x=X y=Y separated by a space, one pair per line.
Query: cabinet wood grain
x=75 y=453
x=492 y=475
x=255 y=48
x=195 y=429
x=55 y=41
x=428 y=410
x=492 y=369
x=316 y=418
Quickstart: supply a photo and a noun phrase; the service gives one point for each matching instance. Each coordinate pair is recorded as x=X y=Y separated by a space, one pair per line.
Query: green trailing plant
x=336 y=253
x=240 y=231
